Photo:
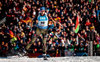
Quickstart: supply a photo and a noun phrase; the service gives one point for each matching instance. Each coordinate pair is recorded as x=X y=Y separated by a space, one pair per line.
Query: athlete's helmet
x=42 y=9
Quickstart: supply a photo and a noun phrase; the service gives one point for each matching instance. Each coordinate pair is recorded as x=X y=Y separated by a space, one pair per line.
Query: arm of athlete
x=55 y=22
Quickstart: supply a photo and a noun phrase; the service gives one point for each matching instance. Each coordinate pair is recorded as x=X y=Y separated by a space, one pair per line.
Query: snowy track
x=53 y=59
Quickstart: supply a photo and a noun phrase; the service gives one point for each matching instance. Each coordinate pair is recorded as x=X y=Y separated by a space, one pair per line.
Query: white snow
x=52 y=59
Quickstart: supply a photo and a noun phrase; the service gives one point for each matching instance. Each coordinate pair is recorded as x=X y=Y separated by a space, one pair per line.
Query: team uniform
x=43 y=21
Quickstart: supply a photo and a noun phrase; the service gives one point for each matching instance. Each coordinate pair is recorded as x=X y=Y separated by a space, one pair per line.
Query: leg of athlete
x=38 y=32
x=44 y=44
x=44 y=32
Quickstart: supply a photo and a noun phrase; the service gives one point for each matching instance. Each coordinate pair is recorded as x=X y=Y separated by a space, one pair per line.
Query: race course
x=52 y=59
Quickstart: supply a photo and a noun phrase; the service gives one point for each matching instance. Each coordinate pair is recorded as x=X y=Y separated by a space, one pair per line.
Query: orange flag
x=27 y=20
x=11 y=34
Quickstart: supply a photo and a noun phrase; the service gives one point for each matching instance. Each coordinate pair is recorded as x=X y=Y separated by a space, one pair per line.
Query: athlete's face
x=43 y=12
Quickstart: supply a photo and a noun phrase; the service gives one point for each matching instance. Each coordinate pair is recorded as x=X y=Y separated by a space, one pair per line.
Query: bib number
x=42 y=23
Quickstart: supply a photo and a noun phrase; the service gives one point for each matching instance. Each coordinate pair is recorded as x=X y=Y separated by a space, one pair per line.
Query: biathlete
x=42 y=28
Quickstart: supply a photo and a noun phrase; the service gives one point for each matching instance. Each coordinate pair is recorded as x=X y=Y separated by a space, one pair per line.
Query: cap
x=42 y=8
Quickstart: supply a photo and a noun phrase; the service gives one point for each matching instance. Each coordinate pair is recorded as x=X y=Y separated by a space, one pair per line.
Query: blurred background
x=18 y=19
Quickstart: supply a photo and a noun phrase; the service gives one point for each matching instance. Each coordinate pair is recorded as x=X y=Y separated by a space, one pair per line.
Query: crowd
x=21 y=21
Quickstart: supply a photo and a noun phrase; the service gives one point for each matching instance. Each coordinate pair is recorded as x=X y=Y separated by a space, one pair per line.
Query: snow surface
x=52 y=59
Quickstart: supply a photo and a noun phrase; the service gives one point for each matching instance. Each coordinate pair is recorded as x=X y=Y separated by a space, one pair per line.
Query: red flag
x=77 y=25
x=11 y=34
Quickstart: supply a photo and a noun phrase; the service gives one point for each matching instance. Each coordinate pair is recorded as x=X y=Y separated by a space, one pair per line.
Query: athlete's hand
x=51 y=18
